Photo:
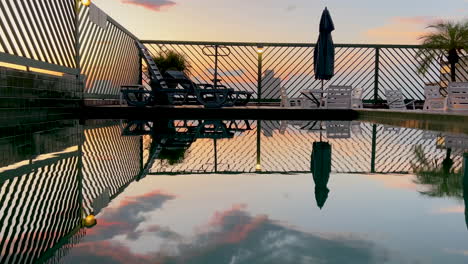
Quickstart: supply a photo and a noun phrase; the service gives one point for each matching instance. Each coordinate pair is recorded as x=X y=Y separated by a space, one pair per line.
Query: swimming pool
x=236 y=191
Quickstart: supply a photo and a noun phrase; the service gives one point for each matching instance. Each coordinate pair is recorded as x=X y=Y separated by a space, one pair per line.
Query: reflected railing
x=52 y=175
x=286 y=146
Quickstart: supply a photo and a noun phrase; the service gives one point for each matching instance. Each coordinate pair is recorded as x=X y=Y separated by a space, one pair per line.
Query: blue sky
x=357 y=21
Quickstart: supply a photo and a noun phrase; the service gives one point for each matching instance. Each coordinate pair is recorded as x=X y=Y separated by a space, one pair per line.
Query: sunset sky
x=358 y=21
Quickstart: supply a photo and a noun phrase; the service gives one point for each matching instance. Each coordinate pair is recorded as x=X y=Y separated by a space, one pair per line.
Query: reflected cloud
x=234 y=236
x=450 y=210
x=154 y=5
x=126 y=217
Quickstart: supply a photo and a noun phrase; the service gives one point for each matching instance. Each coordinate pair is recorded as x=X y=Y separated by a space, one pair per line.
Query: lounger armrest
x=411 y=102
x=206 y=85
x=128 y=87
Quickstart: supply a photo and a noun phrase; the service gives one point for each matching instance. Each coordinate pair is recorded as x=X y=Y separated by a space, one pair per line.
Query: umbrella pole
x=321 y=96
x=320 y=131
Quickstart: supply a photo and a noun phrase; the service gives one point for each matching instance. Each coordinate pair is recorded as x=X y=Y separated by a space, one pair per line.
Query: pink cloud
x=154 y=5
x=417 y=20
x=450 y=210
x=399 y=30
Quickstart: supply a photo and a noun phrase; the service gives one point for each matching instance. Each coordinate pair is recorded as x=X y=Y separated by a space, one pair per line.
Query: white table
x=314 y=95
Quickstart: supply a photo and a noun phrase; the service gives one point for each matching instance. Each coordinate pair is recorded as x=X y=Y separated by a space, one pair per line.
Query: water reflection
x=54 y=174
x=321 y=168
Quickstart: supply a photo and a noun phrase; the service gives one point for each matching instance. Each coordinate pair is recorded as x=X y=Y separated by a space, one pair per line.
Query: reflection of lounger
x=338 y=129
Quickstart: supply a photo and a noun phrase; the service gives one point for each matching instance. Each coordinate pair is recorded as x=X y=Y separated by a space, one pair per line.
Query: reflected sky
x=274 y=219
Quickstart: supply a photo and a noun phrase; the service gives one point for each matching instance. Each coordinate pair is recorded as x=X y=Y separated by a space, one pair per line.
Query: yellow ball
x=89 y=221
x=86 y=2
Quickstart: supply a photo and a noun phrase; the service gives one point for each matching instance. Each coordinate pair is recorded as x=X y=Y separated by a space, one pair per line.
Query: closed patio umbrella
x=324 y=53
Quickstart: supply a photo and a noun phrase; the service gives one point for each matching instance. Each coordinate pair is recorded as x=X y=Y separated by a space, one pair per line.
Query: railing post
x=374 y=147
x=140 y=72
x=77 y=35
x=259 y=76
x=216 y=67
x=258 y=165
x=376 y=75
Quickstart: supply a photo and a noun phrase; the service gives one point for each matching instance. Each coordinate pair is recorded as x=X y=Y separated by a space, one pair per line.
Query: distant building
x=271 y=85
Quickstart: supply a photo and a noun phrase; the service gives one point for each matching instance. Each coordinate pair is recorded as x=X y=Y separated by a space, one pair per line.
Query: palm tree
x=172 y=60
x=449 y=37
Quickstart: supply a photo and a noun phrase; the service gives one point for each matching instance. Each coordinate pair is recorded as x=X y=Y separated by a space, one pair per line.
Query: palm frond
x=445 y=36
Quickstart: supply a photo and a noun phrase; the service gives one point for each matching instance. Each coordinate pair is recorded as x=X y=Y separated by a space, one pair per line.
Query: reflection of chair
x=320 y=165
x=391 y=129
x=429 y=135
x=338 y=129
x=356 y=128
x=338 y=97
x=457 y=97
x=356 y=98
x=458 y=142
x=283 y=127
x=396 y=100
x=434 y=100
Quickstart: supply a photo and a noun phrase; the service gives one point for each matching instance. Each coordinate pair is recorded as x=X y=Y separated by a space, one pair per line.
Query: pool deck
x=198 y=112
x=438 y=121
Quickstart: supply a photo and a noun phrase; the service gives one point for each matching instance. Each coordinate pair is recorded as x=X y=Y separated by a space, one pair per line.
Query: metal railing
x=62 y=36
x=374 y=68
x=108 y=56
x=38 y=34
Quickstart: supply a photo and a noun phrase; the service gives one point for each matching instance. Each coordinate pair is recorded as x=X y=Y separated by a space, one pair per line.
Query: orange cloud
x=400 y=30
x=154 y=5
x=450 y=210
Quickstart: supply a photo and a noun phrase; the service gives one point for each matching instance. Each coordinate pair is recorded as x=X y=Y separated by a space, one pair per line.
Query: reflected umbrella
x=321 y=168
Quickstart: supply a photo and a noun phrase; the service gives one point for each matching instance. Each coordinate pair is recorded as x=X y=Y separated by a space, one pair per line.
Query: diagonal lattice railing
x=109 y=57
x=40 y=205
x=65 y=36
x=374 y=68
x=43 y=31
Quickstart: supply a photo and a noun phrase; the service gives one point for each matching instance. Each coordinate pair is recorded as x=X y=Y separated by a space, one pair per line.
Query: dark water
x=202 y=191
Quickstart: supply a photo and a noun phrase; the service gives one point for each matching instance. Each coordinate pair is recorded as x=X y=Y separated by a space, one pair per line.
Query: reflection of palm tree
x=465 y=186
x=443 y=180
x=448 y=162
x=173 y=146
x=321 y=167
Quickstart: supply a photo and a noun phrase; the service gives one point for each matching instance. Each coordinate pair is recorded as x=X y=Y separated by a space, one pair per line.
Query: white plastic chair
x=396 y=100
x=356 y=98
x=457 y=97
x=338 y=97
x=434 y=100
x=293 y=102
x=338 y=129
